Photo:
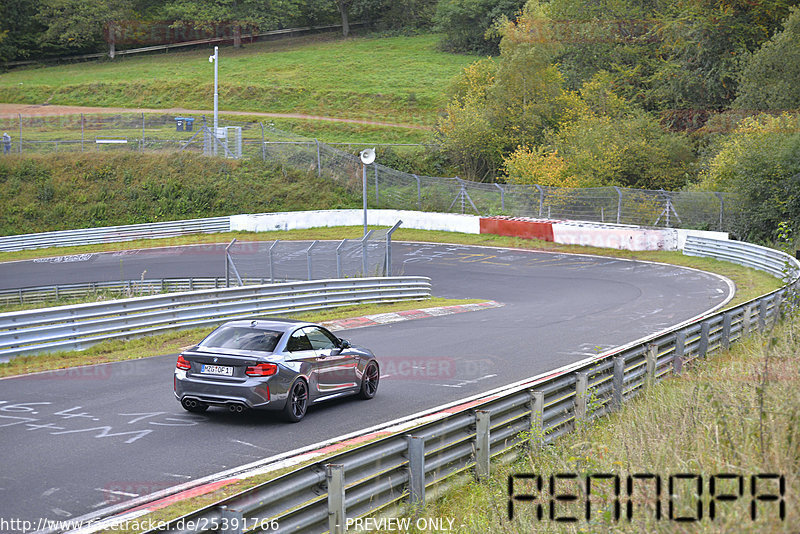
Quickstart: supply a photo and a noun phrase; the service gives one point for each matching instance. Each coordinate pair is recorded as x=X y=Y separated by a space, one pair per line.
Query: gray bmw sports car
x=272 y=364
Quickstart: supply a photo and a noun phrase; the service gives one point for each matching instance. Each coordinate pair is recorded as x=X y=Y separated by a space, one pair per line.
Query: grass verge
x=738 y=412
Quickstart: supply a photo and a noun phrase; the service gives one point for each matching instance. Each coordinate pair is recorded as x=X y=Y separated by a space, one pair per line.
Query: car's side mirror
x=344 y=344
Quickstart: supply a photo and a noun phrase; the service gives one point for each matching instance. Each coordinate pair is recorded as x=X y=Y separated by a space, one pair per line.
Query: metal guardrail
x=111 y=234
x=127 y=288
x=764 y=259
x=77 y=327
x=398 y=469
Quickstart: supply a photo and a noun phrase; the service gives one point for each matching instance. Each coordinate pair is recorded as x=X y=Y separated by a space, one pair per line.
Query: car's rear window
x=242 y=338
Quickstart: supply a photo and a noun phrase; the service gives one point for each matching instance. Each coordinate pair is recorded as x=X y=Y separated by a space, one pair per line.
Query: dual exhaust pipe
x=234 y=407
x=191 y=403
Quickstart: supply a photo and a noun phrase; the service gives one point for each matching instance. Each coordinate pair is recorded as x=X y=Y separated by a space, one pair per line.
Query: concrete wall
x=446 y=222
x=565 y=232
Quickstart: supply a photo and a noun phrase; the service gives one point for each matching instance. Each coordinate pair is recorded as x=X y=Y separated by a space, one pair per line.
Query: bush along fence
x=397 y=470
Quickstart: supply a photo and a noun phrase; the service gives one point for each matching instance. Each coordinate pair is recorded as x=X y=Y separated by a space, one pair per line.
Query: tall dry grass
x=735 y=413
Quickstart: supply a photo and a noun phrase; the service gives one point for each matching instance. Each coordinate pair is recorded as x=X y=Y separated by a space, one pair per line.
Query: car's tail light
x=183 y=363
x=262 y=369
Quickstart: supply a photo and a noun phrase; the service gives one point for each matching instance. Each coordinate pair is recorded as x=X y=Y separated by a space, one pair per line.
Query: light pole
x=367 y=156
x=215 y=60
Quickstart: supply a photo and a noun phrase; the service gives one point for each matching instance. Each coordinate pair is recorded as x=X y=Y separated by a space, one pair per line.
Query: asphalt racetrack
x=75 y=442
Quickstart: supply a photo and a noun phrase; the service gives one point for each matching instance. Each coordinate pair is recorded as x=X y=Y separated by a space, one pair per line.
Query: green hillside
x=397 y=79
x=66 y=191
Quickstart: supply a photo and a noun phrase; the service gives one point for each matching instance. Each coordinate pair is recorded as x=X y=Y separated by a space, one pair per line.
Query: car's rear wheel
x=297 y=402
x=369 y=382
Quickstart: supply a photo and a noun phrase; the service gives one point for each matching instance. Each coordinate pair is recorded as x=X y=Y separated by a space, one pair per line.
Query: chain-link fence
x=386 y=187
x=38 y=134
x=284 y=261
x=389 y=188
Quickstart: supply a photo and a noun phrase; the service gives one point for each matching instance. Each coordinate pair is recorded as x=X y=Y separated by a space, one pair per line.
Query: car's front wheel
x=369 y=382
x=297 y=402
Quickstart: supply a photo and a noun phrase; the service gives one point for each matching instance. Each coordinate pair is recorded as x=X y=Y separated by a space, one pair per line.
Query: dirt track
x=12 y=110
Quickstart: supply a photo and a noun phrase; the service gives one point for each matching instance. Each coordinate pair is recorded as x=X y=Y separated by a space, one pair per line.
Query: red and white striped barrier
x=591 y=234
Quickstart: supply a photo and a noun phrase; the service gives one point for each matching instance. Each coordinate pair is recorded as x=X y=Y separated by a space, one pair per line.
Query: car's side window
x=320 y=340
x=298 y=341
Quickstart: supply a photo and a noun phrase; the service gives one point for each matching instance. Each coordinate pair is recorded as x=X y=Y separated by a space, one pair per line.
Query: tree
x=237 y=16
x=760 y=164
x=770 y=78
x=702 y=43
x=539 y=166
x=498 y=105
x=344 y=7
x=78 y=25
x=465 y=23
x=20 y=33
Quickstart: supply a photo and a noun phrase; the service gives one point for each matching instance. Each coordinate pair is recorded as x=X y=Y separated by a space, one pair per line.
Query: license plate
x=216 y=370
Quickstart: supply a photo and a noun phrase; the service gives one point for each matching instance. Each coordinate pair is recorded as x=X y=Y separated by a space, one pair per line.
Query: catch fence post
x=541 y=199
x=319 y=159
x=502 y=197
x=308 y=258
x=272 y=262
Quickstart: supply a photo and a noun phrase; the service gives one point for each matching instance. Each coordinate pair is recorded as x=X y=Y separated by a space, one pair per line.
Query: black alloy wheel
x=297 y=403
x=369 y=382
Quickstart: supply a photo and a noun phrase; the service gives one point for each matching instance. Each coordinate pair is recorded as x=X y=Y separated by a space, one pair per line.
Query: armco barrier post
x=232 y=521
x=777 y=304
x=581 y=390
x=705 y=332
x=337 y=515
x=416 y=471
x=680 y=349
x=536 y=440
x=762 y=315
x=651 y=359
x=727 y=320
x=746 y=320
x=482 y=450
x=618 y=383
